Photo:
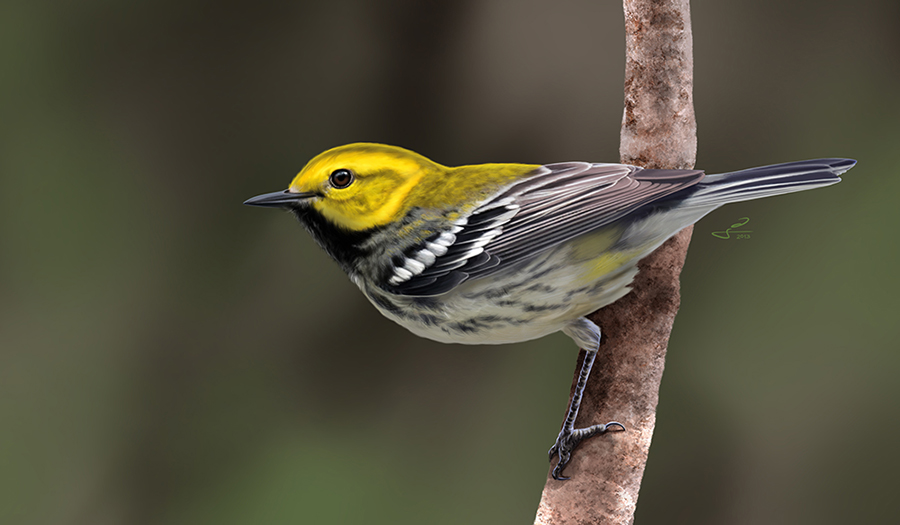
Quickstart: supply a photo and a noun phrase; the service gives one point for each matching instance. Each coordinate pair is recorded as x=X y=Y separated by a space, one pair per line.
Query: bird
x=504 y=253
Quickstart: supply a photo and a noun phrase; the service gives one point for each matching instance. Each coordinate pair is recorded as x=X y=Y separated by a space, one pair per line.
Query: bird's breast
x=530 y=300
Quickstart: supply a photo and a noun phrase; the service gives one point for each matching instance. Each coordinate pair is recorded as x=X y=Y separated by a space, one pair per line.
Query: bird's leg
x=587 y=335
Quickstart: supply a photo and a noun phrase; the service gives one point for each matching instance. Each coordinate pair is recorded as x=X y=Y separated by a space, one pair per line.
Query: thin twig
x=658 y=131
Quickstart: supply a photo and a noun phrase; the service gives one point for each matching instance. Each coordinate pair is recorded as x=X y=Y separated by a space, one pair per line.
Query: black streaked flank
x=474 y=324
x=429 y=320
x=543 y=288
x=542 y=307
x=427 y=303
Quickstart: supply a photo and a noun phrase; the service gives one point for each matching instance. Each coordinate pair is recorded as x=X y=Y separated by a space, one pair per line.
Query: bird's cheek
x=350 y=215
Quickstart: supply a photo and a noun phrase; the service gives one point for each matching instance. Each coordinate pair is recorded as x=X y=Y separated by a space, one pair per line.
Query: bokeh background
x=170 y=356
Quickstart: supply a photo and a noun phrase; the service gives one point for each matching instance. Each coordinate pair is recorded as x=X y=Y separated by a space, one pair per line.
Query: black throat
x=342 y=245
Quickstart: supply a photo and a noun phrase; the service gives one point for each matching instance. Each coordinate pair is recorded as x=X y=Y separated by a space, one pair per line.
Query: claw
x=557 y=471
x=567 y=441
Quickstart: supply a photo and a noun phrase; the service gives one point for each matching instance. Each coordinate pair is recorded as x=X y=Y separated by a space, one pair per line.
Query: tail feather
x=766 y=181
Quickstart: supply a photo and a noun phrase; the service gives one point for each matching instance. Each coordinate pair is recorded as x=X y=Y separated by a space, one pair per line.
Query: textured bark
x=658 y=131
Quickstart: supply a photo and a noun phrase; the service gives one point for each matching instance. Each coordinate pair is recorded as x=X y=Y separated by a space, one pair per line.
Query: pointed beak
x=278 y=199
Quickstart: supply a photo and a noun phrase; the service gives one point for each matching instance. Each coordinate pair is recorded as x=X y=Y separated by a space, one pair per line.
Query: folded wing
x=556 y=203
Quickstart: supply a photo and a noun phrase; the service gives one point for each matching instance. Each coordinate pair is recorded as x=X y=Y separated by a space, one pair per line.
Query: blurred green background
x=170 y=356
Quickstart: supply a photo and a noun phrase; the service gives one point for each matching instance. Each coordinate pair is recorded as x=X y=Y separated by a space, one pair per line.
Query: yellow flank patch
x=596 y=256
x=590 y=245
x=607 y=263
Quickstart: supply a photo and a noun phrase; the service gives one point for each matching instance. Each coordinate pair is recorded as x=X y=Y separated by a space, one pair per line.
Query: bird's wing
x=553 y=205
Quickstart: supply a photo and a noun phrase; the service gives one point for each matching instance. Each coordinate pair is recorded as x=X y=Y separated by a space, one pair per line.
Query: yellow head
x=362 y=186
x=359 y=186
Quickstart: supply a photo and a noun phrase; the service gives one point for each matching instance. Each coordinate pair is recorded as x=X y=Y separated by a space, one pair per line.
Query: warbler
x=502 y=253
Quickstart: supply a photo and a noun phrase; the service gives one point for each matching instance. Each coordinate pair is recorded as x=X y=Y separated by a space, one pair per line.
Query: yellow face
x=361 y=186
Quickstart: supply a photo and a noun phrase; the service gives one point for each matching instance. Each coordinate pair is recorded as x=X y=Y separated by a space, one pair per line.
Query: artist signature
x=740 y=234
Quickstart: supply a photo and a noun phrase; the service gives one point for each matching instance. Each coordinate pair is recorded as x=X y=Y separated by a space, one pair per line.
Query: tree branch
x=658 y=131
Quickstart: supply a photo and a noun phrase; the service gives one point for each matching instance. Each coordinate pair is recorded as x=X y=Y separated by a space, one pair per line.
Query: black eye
x=341 y=178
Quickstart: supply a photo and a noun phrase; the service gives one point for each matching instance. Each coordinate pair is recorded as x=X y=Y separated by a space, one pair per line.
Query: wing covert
x=556 y=203
x=447 y=258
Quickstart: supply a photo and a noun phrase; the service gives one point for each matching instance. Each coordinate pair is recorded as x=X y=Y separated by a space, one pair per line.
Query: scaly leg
x=587 y=335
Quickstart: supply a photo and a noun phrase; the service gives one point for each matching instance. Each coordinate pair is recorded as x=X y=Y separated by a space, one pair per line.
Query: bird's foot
x=568 y=440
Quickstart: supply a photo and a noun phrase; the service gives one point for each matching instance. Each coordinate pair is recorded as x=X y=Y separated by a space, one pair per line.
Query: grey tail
x=766 y=181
